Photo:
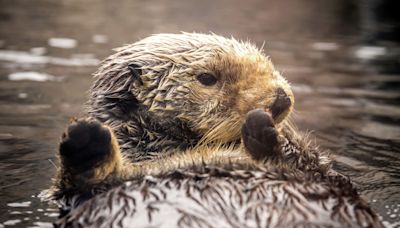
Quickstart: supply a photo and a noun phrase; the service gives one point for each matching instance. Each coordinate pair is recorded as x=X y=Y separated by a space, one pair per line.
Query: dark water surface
x=344 y=70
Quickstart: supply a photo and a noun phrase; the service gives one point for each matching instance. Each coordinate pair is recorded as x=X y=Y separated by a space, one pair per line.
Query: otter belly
x=215 y=197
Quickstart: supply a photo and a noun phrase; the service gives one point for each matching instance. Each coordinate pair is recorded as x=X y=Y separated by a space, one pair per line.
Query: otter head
x=206 y=83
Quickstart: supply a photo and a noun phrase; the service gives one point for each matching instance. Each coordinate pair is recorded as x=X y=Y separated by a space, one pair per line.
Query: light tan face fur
x=246 y=80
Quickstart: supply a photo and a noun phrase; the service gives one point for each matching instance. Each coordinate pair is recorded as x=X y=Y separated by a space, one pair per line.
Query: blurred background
x=342 y=58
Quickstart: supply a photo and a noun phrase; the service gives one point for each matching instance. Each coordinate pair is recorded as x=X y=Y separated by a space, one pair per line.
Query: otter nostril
x=281 y=104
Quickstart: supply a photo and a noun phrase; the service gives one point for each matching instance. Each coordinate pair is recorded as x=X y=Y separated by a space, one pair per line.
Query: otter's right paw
x=87 y=144
x=259 y=135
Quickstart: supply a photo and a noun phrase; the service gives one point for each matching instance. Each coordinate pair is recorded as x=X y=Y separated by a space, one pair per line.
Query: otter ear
x=136 y=73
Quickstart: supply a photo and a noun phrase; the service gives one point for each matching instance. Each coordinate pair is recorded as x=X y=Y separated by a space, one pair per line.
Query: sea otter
x=192 y=130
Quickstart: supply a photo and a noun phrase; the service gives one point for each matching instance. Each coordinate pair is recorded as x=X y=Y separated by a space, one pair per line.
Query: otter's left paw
x=259 y=135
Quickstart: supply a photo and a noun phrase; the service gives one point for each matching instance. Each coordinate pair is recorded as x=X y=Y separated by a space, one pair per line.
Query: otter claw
x=259 y=134
x=85 y=144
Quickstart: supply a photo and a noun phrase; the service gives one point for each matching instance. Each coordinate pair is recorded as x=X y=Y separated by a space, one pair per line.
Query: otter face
x=207 y=82
x=241 y=82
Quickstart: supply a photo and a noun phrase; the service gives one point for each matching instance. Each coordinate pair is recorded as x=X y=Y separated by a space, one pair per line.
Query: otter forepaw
x=259 y=135
x=85 y=145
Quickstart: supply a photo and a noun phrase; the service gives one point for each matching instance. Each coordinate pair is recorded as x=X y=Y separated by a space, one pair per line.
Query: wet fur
x=149 y=117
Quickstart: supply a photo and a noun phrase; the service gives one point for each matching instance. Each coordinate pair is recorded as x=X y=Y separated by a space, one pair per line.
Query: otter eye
x=206 y=79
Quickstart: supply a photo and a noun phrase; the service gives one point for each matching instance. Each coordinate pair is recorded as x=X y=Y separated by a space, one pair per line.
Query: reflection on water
x=32 y=76
x=347 y=90
x=20 y=58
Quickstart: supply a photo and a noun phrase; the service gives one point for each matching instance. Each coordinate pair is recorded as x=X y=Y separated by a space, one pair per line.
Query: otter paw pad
x=85 y=144
x=259 y=134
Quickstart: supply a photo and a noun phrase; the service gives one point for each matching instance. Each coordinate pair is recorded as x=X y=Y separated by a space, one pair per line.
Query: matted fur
x=178 y=144
x=171 y=105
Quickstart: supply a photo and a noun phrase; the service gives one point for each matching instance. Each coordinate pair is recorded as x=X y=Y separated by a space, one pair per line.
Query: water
x=345 y=78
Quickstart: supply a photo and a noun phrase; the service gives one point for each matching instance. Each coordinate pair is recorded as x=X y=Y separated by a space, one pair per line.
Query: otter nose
x=281 y=104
